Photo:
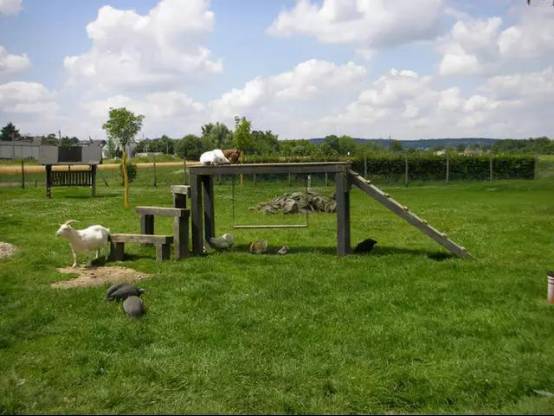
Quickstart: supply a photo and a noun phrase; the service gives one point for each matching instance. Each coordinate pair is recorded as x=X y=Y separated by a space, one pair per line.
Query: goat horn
x=69 y=222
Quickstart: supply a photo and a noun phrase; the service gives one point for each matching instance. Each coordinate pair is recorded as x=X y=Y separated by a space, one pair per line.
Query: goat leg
x=74 y=258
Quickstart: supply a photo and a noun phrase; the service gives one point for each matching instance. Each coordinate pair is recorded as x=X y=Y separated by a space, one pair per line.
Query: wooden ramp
x=403 y=211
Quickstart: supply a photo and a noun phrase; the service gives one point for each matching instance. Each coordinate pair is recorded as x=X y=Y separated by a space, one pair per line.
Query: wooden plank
x=141 y=238
x=269 y=168
x=197 y=227
x=181 y=190
x=342 y=196
x=246 y=226
x=161 y=211
x=404 y=213
x=209 y=214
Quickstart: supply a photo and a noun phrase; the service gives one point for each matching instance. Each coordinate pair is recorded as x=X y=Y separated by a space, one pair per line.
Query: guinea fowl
x=365 y=246
x=221 y=243
x=122 y=291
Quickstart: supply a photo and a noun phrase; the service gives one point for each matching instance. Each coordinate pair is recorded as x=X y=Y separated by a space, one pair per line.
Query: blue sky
x=306 y=68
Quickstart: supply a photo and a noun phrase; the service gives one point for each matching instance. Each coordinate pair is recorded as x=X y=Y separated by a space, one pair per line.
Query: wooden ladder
x=402 y=211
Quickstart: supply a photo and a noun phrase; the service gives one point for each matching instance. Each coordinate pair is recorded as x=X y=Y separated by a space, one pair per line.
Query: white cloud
x=10 y=7
x=371 y=23
x=10 y=64
x=155 y=50
x=482 y=46
x=407 y=105
x=301 y=90
x=26 y=97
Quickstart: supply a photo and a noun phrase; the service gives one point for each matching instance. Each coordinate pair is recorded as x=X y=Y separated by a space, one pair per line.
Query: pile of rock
x=298 y=202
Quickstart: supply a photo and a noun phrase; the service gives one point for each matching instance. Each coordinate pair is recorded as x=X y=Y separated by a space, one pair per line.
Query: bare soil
x=98 y=276
x=6 y=250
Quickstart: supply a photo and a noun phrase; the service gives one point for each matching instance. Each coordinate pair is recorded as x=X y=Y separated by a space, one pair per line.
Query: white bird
x=222 y=243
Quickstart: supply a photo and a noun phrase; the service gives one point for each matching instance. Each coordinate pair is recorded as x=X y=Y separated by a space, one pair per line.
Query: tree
x=69 y=141
x=395 y=146
x=243 y=137
x=265 y=142
x=122 y=126
x=190 y=147
x=216 y=136
x=9 y=132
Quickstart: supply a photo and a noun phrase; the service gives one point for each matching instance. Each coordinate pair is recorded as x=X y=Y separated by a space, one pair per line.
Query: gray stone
x=133 y=306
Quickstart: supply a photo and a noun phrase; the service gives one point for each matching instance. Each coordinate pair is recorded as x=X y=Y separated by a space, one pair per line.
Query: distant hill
x=424 y=143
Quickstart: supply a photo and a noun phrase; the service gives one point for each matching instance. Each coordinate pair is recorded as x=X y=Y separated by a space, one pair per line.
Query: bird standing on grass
x=221 y=243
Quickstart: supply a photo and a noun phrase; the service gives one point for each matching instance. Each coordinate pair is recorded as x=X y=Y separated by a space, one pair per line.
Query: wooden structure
x=89 y=154
x=203 y=213
x=179 y=239
x=161 y=242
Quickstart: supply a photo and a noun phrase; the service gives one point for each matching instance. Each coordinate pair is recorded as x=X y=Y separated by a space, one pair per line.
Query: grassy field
x=403 y=329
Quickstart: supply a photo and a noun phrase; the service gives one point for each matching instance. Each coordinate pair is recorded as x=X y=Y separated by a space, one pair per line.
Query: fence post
x=22 y=174
x=326 y=179
x=290 y=179
x=155 y=173
x=447 y=168
x=406 y=172
x=254 y=179
x=490 y=169
x=365 y=166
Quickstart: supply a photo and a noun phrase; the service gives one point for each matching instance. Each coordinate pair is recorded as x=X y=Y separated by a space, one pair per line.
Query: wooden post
x=196 y=212
x=48 y=181
x=209 y=213
x=155 y=173
x=342 y=195
x=365 y=166
x=490 y=169
x=406 y=171
x=93 y=179
x=22 y=174
x=290 y=179
x=326 y=179
x=181 y=236
x=147 y=224
x=241 y=161
x=447 y=168
x=254 y=179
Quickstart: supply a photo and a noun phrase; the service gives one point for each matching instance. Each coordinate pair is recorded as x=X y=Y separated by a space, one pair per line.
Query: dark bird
x=365 y=246
x=133 y=306
x=122 y=291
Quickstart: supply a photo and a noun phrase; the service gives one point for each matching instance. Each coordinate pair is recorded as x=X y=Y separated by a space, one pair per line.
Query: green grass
x=405 y=329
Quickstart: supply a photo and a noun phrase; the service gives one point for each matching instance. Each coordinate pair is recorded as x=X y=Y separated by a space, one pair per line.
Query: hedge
x=430 y=167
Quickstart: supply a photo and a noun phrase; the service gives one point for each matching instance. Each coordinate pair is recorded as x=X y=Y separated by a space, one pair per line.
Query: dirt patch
x=98 y=276
x=6 y=250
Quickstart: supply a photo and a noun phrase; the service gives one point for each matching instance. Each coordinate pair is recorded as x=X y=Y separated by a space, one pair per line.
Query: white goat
x=88 y=239
x=214 y=157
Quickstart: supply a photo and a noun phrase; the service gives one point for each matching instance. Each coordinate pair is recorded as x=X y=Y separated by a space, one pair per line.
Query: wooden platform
x=261 y=168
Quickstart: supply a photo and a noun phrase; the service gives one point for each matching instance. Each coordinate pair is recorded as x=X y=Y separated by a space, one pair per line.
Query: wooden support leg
x=196 y=211
x=181 y=236
x=93 y=179
x=179 y=201
x=147 y=224
x=343 y=214
x=117 y=251
x=163 y=251
x=209 y=214
x=48 y=181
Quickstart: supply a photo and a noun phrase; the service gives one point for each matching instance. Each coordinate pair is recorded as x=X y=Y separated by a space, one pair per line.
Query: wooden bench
x=161 y=242
x=180 y=225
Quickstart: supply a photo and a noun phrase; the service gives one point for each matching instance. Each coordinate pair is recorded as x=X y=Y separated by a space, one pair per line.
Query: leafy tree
x=265 y=142
x=68 y=141
x=122 y=126
x=9 y=132
x=396 y=146
x=50 y=139
x=216 y=136
x=243 y=137
x=190 y=147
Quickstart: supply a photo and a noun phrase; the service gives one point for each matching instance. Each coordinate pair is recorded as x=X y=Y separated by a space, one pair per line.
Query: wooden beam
x=269 y=168
x=209 y=213
x=197 y=227
x=342 y=196
x=403 y=212
x=141 y=238
x=161 y=211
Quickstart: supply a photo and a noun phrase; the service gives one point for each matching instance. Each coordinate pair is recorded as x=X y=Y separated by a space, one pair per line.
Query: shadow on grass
x=378 y=251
